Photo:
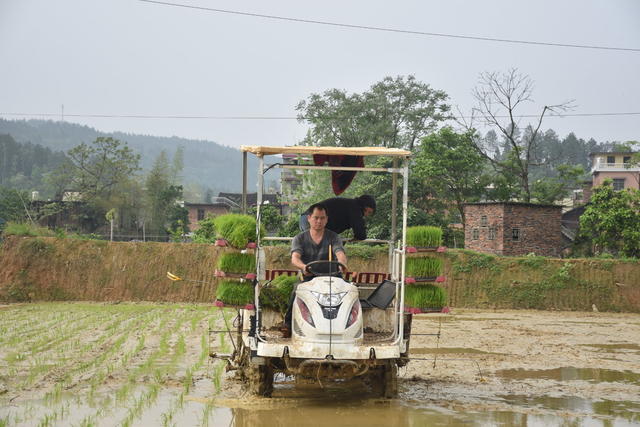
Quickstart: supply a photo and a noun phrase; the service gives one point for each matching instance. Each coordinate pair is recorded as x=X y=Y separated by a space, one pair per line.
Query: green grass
x=26 y=229
x=237 y=263
x=423 y=267
x=424 y=236
x=424 y=296
x=235 y=292
x=237 y=229
x=276 y=295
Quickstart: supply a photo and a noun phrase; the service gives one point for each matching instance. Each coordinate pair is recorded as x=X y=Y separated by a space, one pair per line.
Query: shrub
x=235 y=292
x=207 y=231
x=423 y=267
x=237 y=263
x=424 y=236
x=425 y=296
x=26 y=229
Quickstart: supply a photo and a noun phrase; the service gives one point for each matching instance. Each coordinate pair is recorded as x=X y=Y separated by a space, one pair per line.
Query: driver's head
x=317 y=216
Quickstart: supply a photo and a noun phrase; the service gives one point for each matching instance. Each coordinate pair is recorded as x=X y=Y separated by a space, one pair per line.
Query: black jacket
x=344 y=214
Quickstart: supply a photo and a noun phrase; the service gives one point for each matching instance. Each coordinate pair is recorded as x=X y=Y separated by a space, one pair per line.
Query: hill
x=206 y=163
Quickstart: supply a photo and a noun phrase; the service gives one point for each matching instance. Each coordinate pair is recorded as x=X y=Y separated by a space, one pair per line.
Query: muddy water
x=593 y=375
x=492 y=368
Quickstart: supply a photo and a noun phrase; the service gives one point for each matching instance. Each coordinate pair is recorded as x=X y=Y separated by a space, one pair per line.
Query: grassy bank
x=53 y=269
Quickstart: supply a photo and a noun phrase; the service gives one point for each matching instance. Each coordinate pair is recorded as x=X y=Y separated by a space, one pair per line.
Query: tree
x=271 y=218
x=394 y=113
x=551 y=189
x=96 y=169
x=101 y=172
x=163 y=212
x=449 y=164
x=499 y=96
x=611 y=221
x=12 y=206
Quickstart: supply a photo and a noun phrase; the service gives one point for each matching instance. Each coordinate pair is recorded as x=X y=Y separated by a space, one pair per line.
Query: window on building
x=492 y=233
x=611 y=159
x=475 y=233
x=618 y=184
x=626 y=159
x=483 y=221
x=200 y=214
x=515 y=234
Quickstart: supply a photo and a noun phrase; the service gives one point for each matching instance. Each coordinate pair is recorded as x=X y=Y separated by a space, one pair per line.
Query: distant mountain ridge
x=206 y=163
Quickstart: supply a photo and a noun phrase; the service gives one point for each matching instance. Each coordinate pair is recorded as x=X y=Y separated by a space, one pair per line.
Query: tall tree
x=395 y=112
x=95 y=170
x=448 y=163
x=163 y=212
x=499 y=97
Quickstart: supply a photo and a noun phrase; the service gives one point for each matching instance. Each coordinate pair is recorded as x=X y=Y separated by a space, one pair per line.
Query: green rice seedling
x=206 y=414
x=237 y=263
x=424 y=236
x=424 y=296
x=235 y=292
x=423 y=267
x=276 y=295
x=218 y=368
x=237 y=229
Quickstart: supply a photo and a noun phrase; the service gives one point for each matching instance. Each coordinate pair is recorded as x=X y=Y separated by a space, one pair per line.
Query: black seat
x=381 y=297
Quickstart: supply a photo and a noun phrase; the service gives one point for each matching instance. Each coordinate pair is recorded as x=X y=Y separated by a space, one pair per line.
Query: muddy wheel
x=389 y=380
x=260 y=379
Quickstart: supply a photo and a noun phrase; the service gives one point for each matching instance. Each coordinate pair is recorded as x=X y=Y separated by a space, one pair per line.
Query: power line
x=191 y=117
x=391 y=30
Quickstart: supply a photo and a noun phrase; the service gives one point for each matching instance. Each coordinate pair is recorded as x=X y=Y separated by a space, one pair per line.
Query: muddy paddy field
x=81 y=364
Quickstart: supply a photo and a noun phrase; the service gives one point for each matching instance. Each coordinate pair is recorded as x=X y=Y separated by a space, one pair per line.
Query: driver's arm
x=296 y=260
x=342 y=258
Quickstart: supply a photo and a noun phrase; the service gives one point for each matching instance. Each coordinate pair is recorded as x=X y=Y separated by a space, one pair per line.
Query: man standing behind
x=313 y=245
x=345 y=214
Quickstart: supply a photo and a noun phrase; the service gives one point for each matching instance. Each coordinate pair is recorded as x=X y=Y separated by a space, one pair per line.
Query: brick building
x=200 y=211
x=513 y=228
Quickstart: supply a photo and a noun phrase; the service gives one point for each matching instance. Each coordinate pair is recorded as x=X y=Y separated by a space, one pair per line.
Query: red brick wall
x=539 y=228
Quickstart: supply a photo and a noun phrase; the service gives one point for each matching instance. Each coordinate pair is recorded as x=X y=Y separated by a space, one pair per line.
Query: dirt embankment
x=45 y=269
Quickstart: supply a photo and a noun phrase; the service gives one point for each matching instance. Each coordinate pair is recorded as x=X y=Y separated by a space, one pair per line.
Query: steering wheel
x=338 y=265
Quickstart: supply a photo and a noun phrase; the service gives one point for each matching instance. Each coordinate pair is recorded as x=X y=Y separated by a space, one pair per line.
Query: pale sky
x=127 y=57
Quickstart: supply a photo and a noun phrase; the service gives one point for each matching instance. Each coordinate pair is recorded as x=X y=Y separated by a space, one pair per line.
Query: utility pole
x=62 y=114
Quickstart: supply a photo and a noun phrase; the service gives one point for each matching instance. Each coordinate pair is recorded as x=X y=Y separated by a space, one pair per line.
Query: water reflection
x=571 y=374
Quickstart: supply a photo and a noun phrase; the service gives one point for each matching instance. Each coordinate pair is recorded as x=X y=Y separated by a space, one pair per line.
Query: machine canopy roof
x=342 y=151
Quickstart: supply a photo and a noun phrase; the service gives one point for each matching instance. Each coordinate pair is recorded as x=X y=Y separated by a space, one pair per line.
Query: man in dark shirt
x=311 y=245
x=345 y=214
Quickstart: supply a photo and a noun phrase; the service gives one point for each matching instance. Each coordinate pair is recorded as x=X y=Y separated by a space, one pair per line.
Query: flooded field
x=81 y=364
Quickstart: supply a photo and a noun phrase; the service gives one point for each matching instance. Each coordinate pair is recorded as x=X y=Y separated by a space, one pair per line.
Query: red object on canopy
x=340 y=180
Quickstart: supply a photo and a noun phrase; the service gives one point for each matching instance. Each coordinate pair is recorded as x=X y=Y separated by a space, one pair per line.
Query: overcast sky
x=127 y=57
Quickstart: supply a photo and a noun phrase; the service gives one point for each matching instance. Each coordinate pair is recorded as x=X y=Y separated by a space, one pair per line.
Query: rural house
x=617 y=167
x=513 y=228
